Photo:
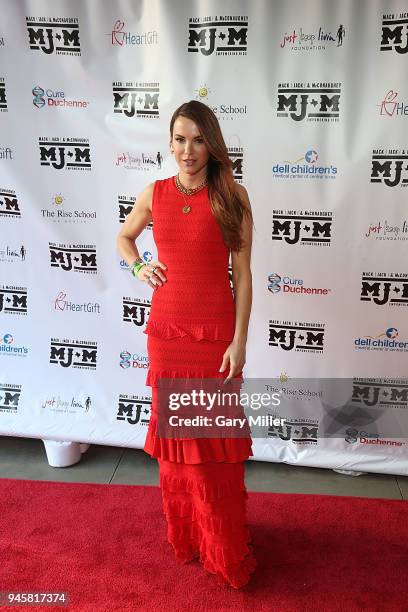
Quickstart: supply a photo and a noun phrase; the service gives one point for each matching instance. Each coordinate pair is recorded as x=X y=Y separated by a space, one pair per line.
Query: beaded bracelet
x=136 y=268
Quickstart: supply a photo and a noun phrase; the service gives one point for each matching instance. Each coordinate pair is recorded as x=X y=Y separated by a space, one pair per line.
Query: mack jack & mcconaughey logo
x=310 y=100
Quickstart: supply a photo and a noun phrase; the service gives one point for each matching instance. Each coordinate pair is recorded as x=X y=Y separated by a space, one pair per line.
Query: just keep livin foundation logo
x=389 y=167
x=384 y=288
x=132 y=98
x=54 y=35
x=65 y=153
x=313 y=101
x=222 y=35
x=394 y=33
x=316 y=40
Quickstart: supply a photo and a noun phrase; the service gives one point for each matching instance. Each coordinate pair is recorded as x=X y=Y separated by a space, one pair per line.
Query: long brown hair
x=227 y=205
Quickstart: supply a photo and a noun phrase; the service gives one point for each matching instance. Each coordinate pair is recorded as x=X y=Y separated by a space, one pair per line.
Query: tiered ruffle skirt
x=201 y=479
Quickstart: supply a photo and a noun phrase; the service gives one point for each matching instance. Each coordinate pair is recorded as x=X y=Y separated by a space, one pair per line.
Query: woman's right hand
x=153 y=279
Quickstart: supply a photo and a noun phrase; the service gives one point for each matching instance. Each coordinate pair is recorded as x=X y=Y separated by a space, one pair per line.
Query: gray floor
x=25 y=458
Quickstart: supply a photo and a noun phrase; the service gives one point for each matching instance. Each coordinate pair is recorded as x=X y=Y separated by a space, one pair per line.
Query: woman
x=197 y=329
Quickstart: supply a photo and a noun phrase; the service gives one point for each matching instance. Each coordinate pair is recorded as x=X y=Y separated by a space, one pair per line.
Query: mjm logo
x=75 y=354
x=308 y=228
x=135 y=311
x=9 y=397
x=70 y=153
x=380 y=392
x=3 y=99
x=389 y=168
x=80 y=258
x=55 y=35
x=13 y=300
x=315 y=101
x=9 y=204
x=303 y=337
x=383 y=289
x=394 y=33
x=223 y=35
x=134 y=410
x=140 y=99
x=236 y=156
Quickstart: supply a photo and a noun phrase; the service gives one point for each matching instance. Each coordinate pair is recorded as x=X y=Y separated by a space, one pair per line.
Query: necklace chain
x=189 y=190
x=185 y=191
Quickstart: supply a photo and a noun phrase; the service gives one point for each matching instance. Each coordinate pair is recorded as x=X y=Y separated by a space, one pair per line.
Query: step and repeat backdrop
x=312 y=98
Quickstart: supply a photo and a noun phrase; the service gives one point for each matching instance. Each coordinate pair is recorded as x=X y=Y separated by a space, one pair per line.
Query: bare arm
x=235 y=354
x=242 y=278
x=133 y=226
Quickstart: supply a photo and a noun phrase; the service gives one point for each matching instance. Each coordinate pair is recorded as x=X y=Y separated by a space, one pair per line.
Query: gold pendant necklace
x=184 y=190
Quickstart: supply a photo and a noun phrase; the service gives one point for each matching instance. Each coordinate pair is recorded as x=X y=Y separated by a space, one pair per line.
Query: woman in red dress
x=197 y=329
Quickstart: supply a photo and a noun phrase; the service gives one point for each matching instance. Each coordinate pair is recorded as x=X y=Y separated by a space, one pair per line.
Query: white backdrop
x=312 y=98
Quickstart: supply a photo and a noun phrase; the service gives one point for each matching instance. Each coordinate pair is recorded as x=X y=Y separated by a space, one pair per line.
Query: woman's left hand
x=235 y=355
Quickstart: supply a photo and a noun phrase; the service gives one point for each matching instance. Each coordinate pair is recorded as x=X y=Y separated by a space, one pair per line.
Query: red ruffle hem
x=202 y=480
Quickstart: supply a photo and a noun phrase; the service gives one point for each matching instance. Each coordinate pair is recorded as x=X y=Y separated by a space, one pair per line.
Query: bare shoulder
x=144 y=199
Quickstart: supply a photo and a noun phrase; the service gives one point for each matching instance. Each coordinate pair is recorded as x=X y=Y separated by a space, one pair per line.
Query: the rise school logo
x=222 y=35
x=54 y=35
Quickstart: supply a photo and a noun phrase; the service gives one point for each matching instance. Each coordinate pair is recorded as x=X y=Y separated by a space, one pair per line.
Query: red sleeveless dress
x=190 y=326
x=195 y=304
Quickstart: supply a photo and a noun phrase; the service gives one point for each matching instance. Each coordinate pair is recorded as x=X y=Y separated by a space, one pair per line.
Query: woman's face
x=190 y=151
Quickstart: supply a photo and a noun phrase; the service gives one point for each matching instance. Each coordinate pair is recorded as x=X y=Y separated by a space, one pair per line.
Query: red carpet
x=105 y=545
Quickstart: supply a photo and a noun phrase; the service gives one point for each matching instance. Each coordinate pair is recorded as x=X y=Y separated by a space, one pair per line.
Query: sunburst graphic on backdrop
x=283 y=377
x=202 y=92
x=58 y=199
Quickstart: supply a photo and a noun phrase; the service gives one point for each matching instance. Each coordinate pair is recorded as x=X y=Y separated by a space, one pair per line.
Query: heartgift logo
x=119 y=36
